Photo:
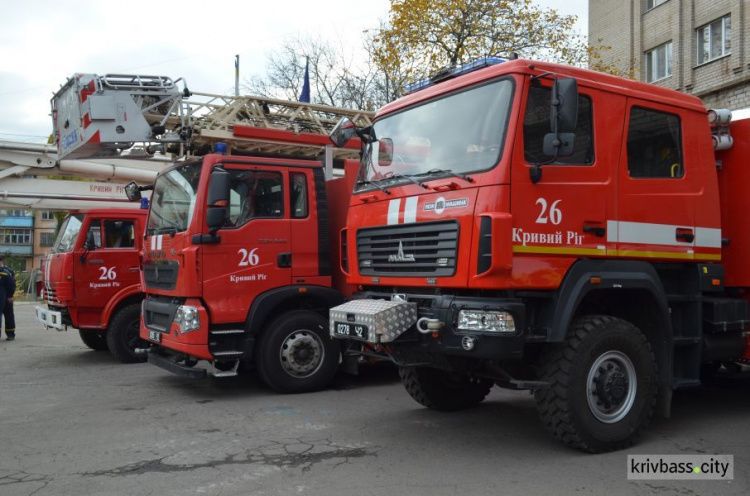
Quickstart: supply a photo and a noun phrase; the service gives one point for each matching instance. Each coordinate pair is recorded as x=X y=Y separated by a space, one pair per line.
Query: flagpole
x=237 y=75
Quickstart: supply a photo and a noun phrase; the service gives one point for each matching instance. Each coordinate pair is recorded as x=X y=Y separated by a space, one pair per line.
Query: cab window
x=536 y=124
x=298 y=195
x=654 y=144
x=119 y=234
x=94 y=235
x=254 y=194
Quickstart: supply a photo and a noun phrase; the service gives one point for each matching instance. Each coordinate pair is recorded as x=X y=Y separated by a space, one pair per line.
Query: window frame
x=281 y=183
x=562 y=161
x=306 y=189
x=669 y=56
x=726 y=42
x=50 y=235
x=680 y=143
x=654 y=4
x=105 y=244
x=12 y=233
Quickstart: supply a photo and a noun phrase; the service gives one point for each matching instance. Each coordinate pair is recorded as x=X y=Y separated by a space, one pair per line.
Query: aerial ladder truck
x=241 y=249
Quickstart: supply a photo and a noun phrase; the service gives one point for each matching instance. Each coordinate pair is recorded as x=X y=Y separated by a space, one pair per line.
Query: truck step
x=228 y=354
x=228 y=331
x=225 y=373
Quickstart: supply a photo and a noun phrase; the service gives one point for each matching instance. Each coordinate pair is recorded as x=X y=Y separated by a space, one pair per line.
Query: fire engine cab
x=542 y=227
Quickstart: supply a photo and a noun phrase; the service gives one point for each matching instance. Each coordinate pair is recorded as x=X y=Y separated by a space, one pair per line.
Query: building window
x=650 y=4
x=15 y=236
x=654 y=144
x=659 y=63
x=46 y=239
x=15 y=213
x=48 y=215
x=714 y=40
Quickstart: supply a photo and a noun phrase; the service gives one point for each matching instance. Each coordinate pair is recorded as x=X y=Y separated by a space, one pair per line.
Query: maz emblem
x=400 y=256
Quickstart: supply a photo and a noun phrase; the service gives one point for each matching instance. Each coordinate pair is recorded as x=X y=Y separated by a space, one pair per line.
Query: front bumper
x=158 y=327
x=449 y=340
x=50 y=318
x=170 y=365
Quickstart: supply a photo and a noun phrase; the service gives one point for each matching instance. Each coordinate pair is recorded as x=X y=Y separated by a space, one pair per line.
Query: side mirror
x=564 y=111
x=215 y=218
x=218 y=199
x=385 y=152
x=132 y=191
x=342 y=132
x=218 y=188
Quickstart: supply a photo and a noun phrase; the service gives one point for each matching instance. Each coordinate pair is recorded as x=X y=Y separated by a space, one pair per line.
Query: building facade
x=701 y=47
x=26 y=236
x=45 y=226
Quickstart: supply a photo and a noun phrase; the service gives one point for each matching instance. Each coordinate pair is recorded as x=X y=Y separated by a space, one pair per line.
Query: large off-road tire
x=603 y=385
x=123 y=337
x=295 y=353
x=96 y=340
x=443 y=390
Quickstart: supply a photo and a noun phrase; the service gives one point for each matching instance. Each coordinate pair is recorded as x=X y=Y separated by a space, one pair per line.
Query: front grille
x=427 y=249
x=158 y=315
x=161 y=275
x=58 y=292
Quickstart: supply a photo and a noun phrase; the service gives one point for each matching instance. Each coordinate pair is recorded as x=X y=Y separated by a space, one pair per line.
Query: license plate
x=347 y=329
x=154 y=336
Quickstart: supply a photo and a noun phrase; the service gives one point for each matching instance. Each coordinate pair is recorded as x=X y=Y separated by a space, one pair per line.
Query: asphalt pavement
x=77 y=422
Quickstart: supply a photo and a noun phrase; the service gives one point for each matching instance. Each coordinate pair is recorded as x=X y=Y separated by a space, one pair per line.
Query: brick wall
x=632 y=31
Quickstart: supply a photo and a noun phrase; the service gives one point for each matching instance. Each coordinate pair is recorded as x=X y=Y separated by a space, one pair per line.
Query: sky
x=44 y=42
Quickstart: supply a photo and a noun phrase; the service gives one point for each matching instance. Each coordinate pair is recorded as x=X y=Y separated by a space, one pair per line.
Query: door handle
x=597 y=231
x=284 y=260
x=684 y=235
x=134 y=269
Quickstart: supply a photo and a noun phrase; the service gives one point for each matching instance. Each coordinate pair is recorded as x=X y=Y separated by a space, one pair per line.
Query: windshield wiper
x=449 y=172
x=161 y=230
x=408 y=178
x=373 y=183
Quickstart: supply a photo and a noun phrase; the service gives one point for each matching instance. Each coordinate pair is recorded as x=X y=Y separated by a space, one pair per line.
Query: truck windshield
x=68 y=233
x=460 y=133
x=173 y=200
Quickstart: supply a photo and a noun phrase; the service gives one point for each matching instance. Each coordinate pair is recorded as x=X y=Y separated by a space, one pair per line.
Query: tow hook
x=429 y=326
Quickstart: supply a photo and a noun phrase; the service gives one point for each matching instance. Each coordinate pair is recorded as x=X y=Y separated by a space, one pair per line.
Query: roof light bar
x=451 y=72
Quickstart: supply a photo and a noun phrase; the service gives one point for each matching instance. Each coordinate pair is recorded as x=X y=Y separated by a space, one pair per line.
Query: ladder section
x=137 y=116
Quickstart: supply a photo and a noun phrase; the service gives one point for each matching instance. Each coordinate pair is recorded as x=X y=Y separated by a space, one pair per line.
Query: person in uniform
x=7 y=290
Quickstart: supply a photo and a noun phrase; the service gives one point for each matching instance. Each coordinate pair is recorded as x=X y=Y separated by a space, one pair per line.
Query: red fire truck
x=542 y=227
x=239 y=269
x=91 y=280
x=238 y=264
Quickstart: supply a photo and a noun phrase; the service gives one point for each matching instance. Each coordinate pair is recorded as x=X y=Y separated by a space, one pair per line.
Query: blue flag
x=305 y=95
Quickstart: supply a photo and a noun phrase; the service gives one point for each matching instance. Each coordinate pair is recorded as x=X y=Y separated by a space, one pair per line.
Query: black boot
x=11 y=335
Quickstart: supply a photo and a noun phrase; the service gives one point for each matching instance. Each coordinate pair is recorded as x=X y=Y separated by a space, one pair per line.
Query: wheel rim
x=611 y=387
x=301 y=353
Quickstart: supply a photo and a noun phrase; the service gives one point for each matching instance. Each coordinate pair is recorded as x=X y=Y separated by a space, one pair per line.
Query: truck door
x=254 y=252
x=656 y=196
x=106 y=261
x=305 y=226
x=564 y=215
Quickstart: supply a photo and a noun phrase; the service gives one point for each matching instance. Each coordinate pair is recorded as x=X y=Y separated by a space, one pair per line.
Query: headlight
x=187 y=318
x=478 y=321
